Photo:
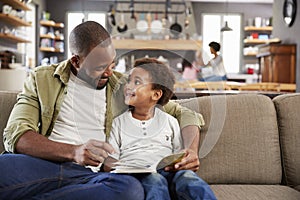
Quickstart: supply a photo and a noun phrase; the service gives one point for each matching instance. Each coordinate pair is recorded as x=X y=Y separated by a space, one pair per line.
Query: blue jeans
x=26 y=177
x=183 y=184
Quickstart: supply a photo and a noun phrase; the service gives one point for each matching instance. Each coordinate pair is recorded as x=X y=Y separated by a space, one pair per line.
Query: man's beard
x=91 y=81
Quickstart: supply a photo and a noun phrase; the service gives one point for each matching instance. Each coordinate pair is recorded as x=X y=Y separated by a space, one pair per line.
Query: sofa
x=249 y=148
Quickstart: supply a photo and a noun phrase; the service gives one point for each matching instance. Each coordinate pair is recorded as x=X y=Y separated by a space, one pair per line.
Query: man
x=57 y=130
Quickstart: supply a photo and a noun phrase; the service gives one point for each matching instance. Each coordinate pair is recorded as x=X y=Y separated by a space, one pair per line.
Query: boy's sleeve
x=177 y=139
x=185 y=116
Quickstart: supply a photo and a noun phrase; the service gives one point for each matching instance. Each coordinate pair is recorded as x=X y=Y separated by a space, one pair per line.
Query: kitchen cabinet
x=12 y=32
x=277 y=63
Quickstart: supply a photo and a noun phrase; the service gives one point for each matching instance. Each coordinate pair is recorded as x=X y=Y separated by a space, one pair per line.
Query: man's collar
x=63 y=71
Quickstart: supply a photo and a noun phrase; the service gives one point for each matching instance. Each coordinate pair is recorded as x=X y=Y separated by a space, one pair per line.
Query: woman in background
x=216 y=63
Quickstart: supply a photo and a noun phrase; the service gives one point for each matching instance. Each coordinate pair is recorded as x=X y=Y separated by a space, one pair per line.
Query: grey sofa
x=250 y=145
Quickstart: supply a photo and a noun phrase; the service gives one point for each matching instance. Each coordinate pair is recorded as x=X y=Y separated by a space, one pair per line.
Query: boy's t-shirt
x=145 y=142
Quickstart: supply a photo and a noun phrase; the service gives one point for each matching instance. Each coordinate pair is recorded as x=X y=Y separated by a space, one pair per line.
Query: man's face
x=97 y=66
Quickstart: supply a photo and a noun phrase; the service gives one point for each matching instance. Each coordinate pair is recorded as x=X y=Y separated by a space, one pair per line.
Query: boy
x=144 y=134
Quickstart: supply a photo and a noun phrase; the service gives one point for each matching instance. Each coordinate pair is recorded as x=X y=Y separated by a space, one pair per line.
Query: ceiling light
x=226 y=27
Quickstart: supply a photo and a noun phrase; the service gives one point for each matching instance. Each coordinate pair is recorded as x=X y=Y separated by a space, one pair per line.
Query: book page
x=133 y=167
x=169 y=160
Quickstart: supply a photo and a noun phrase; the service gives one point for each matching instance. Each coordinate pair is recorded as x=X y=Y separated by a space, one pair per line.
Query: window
x=230 y=40
x=75 y=18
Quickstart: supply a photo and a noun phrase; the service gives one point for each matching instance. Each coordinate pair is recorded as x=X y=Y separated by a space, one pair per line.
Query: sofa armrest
x=288 y=115
x=7 y=101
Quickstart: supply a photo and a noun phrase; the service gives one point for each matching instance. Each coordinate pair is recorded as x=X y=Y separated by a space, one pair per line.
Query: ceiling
x=235 y=1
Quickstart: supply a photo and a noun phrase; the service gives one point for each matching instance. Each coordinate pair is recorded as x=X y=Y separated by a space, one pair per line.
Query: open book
x=138 y=168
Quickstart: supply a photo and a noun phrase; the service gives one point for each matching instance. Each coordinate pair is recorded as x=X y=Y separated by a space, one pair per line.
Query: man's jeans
x=26 y=177
x=184 y=184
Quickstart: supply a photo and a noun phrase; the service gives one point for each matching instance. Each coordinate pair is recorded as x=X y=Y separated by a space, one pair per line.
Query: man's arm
x=185 y=116
x=191 y=138
x=190 y=123
x=24 y=132
x=90 y=153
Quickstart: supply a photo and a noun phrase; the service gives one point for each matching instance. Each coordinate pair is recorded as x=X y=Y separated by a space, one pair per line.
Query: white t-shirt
x=218 y=66
x=82 y=114
x=145 y=142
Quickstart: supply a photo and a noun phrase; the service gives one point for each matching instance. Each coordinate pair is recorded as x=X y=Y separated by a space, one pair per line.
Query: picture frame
x=289 y=12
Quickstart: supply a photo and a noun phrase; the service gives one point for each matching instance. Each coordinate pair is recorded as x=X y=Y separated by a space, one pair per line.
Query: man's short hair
x=86 y=36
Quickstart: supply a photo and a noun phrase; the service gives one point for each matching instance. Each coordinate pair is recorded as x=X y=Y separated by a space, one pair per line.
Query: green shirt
x=39 y=103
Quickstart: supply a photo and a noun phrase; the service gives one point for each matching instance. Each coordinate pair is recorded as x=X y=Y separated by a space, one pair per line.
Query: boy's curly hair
x=161 y=76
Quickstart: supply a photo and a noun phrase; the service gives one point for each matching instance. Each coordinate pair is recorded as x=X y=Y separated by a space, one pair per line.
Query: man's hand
x=191 y=137
x=92 y=152
x=189 y=162
x=109 y=163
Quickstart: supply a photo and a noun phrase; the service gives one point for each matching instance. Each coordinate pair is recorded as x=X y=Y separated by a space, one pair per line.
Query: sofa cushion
x=239 y=142
x=288 y=111
x=7 y=101
x=250 y=192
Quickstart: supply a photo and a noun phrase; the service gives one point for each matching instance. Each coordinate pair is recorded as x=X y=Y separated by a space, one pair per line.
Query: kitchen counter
x=191 y=94
x=135 y=44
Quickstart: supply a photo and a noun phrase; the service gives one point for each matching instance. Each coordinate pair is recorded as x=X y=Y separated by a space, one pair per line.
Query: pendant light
x=226 y=27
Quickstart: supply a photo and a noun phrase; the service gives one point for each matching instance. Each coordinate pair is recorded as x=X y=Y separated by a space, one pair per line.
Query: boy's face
x=138 y=91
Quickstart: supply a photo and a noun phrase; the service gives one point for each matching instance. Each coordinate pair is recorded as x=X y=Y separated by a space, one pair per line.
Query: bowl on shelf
x=14 y=65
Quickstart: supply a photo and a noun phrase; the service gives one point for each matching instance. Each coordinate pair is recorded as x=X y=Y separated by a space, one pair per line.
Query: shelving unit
x=12 y=34
x=48 y=39
x=16 y=4
x=255 y=36
x=13 y=38
x=249 y=40
x=13 y=20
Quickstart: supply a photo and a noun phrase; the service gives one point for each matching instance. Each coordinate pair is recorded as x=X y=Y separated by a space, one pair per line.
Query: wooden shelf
x=13 y=38
x=16 y=4
x=250 y=54
x=51 y=49
x=51 y=24
x=260 y=41
x=255 y=41
x=13 y=20
x=157 y=44
x=254 y=28
x=50 y=36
